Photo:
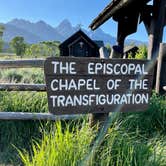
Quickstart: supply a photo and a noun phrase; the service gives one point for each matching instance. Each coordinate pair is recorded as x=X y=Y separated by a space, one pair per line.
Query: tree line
x=42 y=49
x=21 y=48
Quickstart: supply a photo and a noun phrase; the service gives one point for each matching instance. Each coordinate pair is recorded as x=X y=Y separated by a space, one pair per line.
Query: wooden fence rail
x=7 y=54
x=35 y=116
x=22 y=87
x=29 y=63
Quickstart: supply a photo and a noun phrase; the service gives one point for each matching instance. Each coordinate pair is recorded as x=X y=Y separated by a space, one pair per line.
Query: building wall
x=79 y=45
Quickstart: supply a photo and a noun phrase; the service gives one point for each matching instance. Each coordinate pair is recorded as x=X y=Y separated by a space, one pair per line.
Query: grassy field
x=131 y=139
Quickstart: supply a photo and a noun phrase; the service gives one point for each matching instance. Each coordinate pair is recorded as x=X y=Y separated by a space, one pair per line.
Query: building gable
x=79 y=44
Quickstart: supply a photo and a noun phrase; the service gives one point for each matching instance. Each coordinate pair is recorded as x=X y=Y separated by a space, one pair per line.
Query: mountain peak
x=65 y=22
x=65 y=28
x=18 y=21
x=41 y=22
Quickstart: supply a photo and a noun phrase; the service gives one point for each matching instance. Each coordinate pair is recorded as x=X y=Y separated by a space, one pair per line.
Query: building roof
x=110 y=10
x=128 y=49
x=100 y=43
x=75 y=37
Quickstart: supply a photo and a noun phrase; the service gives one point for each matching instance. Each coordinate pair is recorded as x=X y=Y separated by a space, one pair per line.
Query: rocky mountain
x=99 y=34
x=65 y=29
x=41 y=31
x=11 y=31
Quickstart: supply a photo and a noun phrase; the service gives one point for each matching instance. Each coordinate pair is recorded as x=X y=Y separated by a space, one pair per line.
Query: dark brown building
x=79 y=45
x=130 y=50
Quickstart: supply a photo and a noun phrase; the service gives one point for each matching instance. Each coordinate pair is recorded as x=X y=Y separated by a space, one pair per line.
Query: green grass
x=20 y=133
x=135 y=139
x=127 y=149
x=23 y=102
x=60 y=146
x=35 y=76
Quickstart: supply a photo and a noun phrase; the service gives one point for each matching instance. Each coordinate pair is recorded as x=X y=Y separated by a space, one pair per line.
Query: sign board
x=92 y=85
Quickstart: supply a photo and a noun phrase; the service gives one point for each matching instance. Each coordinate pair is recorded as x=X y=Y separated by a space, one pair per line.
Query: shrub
x=142 y=53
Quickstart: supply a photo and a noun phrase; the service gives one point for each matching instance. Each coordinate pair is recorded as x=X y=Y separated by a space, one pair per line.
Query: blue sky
x=54 y=11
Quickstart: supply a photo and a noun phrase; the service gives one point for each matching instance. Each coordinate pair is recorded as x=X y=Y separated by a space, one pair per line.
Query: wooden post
x=104 y=53
x=161 y=70
x=115 y=54
x=97 y=118
x=156 y=28
x=101 y=118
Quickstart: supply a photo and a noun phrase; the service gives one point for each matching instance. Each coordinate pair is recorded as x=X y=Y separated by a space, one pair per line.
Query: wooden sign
x=92 y=85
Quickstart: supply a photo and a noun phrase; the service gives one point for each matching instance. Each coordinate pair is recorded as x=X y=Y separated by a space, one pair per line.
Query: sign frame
x=64 y=75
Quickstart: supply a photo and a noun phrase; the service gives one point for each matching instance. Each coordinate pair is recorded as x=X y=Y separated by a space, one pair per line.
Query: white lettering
x=113 y=84
x=55 y=63
x=71 y=68
x=53 y=85
x=138 y=84
x=90 y=69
